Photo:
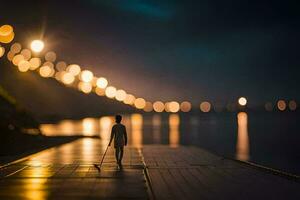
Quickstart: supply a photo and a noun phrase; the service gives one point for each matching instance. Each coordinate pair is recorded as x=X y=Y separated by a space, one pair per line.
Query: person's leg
x=121 y=154
x=117 y=152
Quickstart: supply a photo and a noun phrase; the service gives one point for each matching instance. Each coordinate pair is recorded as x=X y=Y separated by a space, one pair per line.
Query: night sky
x=212 y=50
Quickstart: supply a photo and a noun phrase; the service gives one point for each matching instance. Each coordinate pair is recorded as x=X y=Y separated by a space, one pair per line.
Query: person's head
x=118 y=119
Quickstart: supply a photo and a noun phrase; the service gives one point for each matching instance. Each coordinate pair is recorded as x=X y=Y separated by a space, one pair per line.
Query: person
x=118 y=133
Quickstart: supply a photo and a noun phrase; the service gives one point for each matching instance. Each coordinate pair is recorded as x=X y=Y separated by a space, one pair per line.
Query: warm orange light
x=17 y=58
x=74 y=69
x=110 y=92
x=85 y=87
x=158 y=106
x=46 y=71
x=16 y=47
x=6 y=30
x=10 y=55
x=120 y=95
x=50 y=56
x=242 y=146
x=174 y=136
x=185 y=106
x=86 y=76
x=292 y=105
x=140 y=103
x=101 y=82
x=61 y=66
x=2 y=51
x=174 y=106
x=34 y=63
x=242 y=101
x=148 y=107
x=129 y=99
x=167 y=107
x=281 y=105
x=68 y=78
x=205 y=106
x=100 y=91
x=26 y=53
x=7 y=39
x=37 y=46
x=23 y=66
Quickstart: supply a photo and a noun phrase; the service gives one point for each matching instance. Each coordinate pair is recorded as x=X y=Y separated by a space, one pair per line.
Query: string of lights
x=73 y=76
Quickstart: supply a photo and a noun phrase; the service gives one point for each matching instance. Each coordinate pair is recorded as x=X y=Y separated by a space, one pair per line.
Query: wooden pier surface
x=149 y=172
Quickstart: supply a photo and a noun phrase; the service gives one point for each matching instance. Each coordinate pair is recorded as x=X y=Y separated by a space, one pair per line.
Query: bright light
x=174 y=106
x=2 y=51
x=37 y=46
x=68 y=78
x=74 y=69
x=185 y=106
x=85 y=87
x=101 y=82
x=86 y=76
x=45 y=71
x=205 y=106
x=129 y=99
x=242 y=101
x=281 y=105
x=158 y=106
x=110 y=92
x=34 y=63
x=7 y=39
x=23 y=66
x=17 y=58
x=6 y=30
x=120 y=95
x=140 y=103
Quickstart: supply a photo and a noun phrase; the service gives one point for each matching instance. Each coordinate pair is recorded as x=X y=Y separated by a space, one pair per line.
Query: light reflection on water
x=226 y=134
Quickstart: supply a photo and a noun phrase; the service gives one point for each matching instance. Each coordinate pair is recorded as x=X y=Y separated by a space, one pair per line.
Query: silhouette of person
x=119 y=134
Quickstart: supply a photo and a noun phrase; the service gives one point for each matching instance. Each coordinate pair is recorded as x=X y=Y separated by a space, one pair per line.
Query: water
x=270 y=139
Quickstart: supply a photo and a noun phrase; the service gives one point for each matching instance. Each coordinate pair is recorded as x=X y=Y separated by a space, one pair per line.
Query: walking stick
x=99 y=166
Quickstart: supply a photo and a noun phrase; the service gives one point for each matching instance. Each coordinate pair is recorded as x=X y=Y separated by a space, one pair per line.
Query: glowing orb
x=37 y=46
x=205 y=106
x=242 y=101
x=86 y=76
x=101 y=82
x=110 y=92
x=158 y=106
x=140 y=103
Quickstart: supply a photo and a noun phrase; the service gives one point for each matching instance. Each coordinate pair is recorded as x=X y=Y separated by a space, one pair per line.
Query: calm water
x=270 y=139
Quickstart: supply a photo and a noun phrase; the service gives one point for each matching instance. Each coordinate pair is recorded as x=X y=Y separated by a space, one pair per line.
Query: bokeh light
x=37 y=46
x=129 y=99
x=205 y=106
x=110 y=92
x=17 y=59
x=167 y=107
x=2 y=51
x=120 y=95
x=6 y=30
x=86 y=76
x=140 y=103
x=100 y=91
x=185 y=106
x=10 y=55
x=174 y=106
x=292 y=105
x=85 y=87
x=23 y=66
x=46 y=71
x=74 y=69
x=242 y=101
x=50 y=56
x=61 y=66
x=7 y=39
x=67 y=78
x=35 y=63
x=158 y=106
x=26 y=53
x=16 y=47
x=148 y=107
x=101 y=82
x=281 y=105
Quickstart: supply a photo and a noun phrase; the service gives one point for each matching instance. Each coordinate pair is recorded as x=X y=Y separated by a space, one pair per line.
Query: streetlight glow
x=37 y=46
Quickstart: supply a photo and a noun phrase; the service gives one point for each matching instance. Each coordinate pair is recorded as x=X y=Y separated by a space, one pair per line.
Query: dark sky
x=173 y=50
